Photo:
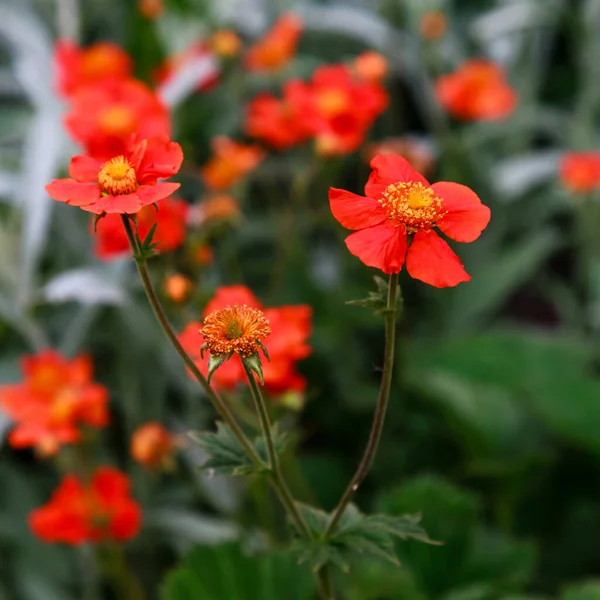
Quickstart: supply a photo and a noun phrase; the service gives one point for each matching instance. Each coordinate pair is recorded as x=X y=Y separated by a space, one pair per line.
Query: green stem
x=275 y=472
x=380 y=410
x=216 y=400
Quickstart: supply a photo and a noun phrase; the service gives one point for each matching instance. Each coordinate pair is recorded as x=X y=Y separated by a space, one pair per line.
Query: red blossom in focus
x=95 y=512
x=280 y=123
x=104 y=117
x=397 y=220
x=170 y=218
x=476 y=91
x=55 y=398
x=152 y=445
x=125 y=183
x=78 y=67
x=231 y=161
x=278 y=45
x=580 y=171
x=286 y=344
x=197 y=51
x=341 y=108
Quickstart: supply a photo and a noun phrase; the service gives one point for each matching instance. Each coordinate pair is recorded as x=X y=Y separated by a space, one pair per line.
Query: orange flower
x=278 y=45
x=476 y=91
x=124 y=184
x=204 y=255
x=281 y=123
x=151 y=9
x=152 y=445
x=79 y=67
x=580 y=171
x=170 y=218
x=231 y=161
x=433 y=25
x=94 y=512
x=177 y=287
x=286 y=345
x=104 y=117
x=226 y=43
x=196 y=52
x=342 y=109
x=415 y=152
x=56 y=397
x=401 y=207
x=370 y=66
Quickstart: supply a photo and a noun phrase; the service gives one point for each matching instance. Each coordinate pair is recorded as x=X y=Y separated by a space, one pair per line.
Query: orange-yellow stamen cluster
x=412 y=204
x=117 y=177
x=236 y=328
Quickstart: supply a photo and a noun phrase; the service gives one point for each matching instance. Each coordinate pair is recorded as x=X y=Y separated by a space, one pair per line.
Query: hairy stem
x=216 y=400
x=380 y=410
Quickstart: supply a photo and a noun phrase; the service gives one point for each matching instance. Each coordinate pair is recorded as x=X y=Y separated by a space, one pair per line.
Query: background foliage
x=495 y=410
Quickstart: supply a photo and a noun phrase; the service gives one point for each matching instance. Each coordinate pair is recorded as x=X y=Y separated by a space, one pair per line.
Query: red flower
x=476 y=91
x=97 y=64
x=401 y=207
x=341 y=108
x=370 y=66
x=580 y=171
x=103 y=117
x=231 y=162
x=286 y=344
x=170 y=218
x=278 y=45
x=152 y=445
x=94 y=512
x=124 y=184
x=56 y=397
x=281 y=123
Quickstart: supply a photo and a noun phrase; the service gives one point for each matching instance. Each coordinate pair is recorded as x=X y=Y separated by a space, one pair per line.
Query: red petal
x=466 y=217
x=84 y=168
x=73 y=192
x=355 y=212
x=123 y=204
x=161 y=159
x=432 y=261
x=153 y=193
x=388 y=169
x=382 y=247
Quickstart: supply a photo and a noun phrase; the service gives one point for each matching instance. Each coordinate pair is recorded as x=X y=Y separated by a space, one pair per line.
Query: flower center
x=117 y=120
x=332 y=102
x=235 y=329
x=96 y=62
x=117 y=177
x=412 y=204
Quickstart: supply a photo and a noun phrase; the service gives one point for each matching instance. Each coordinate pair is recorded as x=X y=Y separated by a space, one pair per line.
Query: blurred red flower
x=231 y=161
x=280 y=123
x=152 y=445
x=170 y=218
x=55 y=398
x=401 y=207
x=370 y=66
x=198 y=50
x=125 y=183
x=103 y=117
x=97 y=64
x=580 y=171
x=177 y=287
x=341 y=108
x=476 y=91
x=286 y=344
x=277 y=46
x=94 y=512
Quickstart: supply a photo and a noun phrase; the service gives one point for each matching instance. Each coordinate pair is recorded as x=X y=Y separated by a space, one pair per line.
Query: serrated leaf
x=355 y=534
x=377 y=301
x=227 y=457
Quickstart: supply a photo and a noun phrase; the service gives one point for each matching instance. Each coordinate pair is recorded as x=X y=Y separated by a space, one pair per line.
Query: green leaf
x=227 y=457
x=356 y=534
x=225 y=572
x=377 y=301
x=214 y=362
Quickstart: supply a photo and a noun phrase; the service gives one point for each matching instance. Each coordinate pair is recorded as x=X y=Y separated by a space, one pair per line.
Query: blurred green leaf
x=225 y=572
x=582 y=591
